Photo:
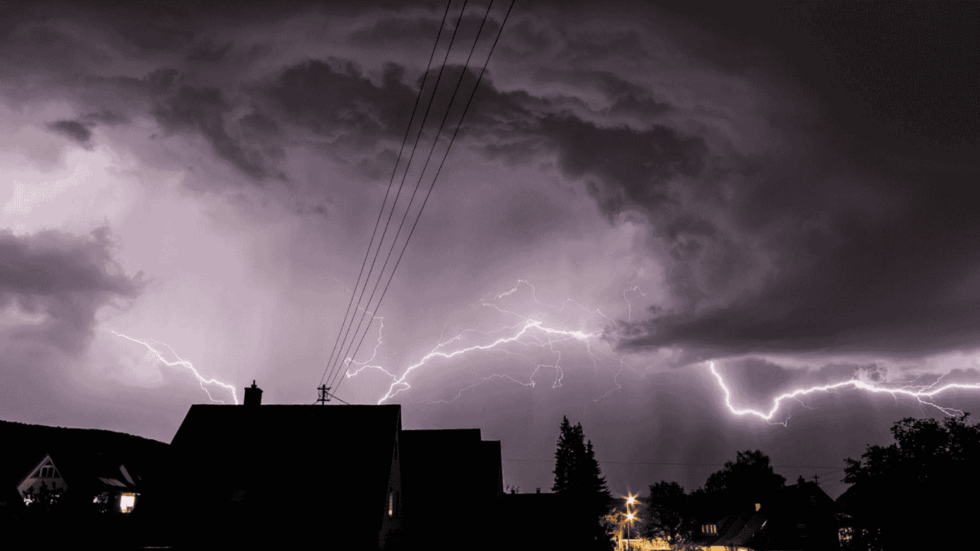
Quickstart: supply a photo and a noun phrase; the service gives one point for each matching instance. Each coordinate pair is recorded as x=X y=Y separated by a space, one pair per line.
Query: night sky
x=787 y=190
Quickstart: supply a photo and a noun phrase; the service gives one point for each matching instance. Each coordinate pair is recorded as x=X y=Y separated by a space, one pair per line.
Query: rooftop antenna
x=324 y=394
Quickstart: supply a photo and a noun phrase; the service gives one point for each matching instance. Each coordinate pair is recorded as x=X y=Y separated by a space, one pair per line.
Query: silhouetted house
x=285 y=476
x=84 y=477
x=801 y=517
x=451 y=472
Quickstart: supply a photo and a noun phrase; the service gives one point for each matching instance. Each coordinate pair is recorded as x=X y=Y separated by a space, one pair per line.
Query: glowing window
x=126 y=502
x=391 y=504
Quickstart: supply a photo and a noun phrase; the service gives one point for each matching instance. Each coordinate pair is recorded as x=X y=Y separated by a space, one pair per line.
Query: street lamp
x=630 y=517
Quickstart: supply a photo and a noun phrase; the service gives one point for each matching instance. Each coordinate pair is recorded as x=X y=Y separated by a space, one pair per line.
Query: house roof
x=775 y=524
x=291 y=459
x=86 y=473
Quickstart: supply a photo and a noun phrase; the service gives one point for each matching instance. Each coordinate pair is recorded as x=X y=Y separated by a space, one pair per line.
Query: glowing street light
x=630 y=517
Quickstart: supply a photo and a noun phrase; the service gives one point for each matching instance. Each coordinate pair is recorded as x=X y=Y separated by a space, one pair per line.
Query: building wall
x=391 y=525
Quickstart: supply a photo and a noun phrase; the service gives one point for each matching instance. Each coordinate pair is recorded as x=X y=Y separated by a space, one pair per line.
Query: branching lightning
x=528 y=331
x=536 y=331
x=921 y=393
x=154 y=354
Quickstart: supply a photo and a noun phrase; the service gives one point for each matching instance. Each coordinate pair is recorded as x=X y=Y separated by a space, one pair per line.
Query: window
x=844 y=534
x=126 y=502
x=391 y=504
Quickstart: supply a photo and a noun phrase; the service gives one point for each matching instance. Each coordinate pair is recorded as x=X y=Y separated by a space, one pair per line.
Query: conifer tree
x=577 y=475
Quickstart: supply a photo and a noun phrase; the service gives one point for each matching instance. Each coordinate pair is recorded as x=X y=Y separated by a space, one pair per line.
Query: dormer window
x=709 y=529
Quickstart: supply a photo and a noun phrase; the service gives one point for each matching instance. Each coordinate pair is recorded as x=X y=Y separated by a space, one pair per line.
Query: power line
x=414 y=192
x=339 y=361
x=469 y=101
x=655 y=463
x=391 y=180
x=333 y=362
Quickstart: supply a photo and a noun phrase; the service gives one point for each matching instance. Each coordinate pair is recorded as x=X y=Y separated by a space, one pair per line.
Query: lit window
x=391 y=504
x=126 y=502
x=844 y=534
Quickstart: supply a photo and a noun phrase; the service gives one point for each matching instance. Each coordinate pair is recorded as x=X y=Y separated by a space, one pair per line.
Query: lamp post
x=629 y=520
x=630 y=517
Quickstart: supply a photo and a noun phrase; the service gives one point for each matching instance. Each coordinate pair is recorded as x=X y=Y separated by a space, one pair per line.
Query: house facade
x=287 y=476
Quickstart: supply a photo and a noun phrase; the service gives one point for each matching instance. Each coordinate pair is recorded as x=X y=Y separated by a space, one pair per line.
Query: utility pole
x=324 y=394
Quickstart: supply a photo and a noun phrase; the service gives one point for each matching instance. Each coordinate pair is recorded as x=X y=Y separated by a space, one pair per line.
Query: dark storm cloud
x=209 y=53
x=869 y=233
x=417 y=34
x=73 y=130
x=63 y=278
x=635 y=167
x=334 y=98
x=895 y=275
x=203 y=109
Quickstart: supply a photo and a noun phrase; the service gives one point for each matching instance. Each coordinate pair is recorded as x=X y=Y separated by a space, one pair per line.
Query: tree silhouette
x=668 y=514
x=578 y=476
x=909 y=495
x=750 y=479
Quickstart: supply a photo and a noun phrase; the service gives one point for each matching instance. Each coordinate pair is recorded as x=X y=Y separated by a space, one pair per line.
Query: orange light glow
x=126 y=502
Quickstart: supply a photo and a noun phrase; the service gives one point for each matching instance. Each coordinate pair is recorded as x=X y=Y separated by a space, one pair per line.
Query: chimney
x=538 y=490
x=253 y=395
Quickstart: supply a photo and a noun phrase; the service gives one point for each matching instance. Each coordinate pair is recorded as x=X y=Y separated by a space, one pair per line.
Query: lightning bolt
x=629 y=314
x=533 y=330
x=921 y=393
x=528 y=331
x=155 y=354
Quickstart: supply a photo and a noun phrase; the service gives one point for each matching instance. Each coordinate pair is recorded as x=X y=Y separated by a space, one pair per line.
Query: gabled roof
x=86 y=473
x=140 y=455
x=775 y=524
x=290 y=460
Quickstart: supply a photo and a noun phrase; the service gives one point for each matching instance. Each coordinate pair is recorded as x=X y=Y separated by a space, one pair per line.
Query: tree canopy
x=917 y=492
x=668 y=514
